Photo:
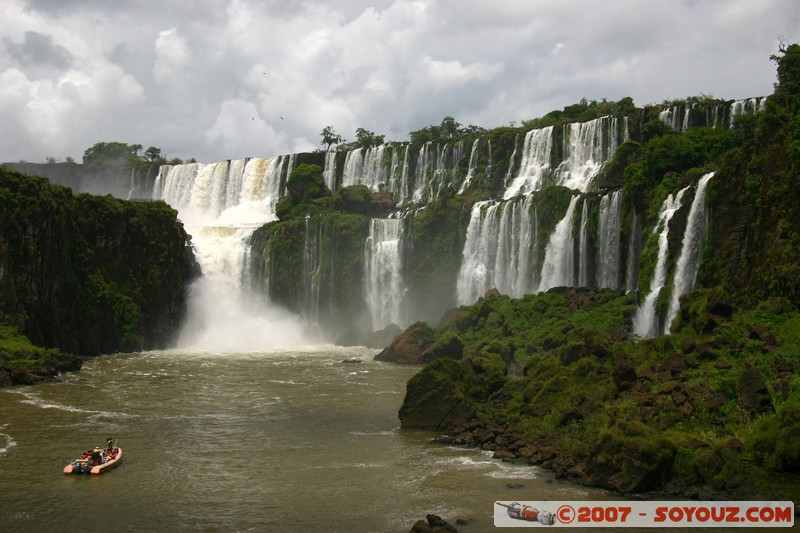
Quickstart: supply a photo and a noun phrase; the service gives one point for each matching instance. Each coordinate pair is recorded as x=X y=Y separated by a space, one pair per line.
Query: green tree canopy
x=306 y=183
x=112 y=153
x=330 y=137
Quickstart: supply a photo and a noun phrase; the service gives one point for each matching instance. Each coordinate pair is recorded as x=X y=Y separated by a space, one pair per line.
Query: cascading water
x=498 y=252
x=384 y=287
x=587 y=146
x=221 y=204
x=559 y=259
x=691 y=248
x=748 y=106
x=608 y=241
x=473 y=162
x=645 y=323
x=537 y=152
x=329 y=173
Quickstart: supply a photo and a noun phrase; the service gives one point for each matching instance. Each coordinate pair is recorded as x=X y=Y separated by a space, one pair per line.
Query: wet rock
x=408 y=347
x=434 y=524
x=432 y=402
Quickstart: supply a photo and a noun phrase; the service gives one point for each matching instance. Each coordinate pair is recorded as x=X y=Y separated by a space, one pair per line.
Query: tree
x=330 y=137
x=449 y=127
x=306 y=183
x=153 y=153
x=112 y=153
x=368 y=139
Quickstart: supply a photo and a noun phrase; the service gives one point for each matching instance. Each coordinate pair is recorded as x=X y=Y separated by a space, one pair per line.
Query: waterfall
x=608 y=241
x=587 y=146
x=537 y=151
x=498 y=252
x=645 y=323
x=583 y=246
x=747 y=106
x=558 y=266
x=691 y=248
x=221 y=205
x=330 y=170
x=473 y=162
x=383 y=283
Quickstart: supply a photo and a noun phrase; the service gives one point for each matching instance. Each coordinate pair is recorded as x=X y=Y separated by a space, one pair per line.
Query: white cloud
x=171 y=55
x=240 y=131
x=449 y=74
x=213 y=81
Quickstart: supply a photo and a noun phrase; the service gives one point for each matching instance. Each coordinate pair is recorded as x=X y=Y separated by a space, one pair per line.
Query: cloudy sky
x=220 y=79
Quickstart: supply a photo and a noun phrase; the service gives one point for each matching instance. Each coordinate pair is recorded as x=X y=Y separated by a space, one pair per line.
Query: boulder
x=630 y=457
x=434 y=524
x=433 y=402
x=753 y=392
x=409 y=346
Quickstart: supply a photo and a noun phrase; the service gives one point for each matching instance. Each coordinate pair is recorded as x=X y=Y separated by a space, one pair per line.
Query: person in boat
x=108 y=453
x=97 y=456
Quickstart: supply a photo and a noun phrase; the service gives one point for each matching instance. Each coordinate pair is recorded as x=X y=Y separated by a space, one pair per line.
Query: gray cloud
x=38 y=52
x=215 y=80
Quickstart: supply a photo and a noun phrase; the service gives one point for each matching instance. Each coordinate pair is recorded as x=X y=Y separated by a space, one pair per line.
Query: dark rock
x=624 y=372
x=448 y=345
x=352 y=361
x=434 y=524
x=694 y=443
x=722 y=309
x=753 y=392
x=21 y=376
x=504 y=456
x=717 y=400
x=572 y=353
x=630 y=458
x=433 y=402
x=568 y=416
x=408 y=347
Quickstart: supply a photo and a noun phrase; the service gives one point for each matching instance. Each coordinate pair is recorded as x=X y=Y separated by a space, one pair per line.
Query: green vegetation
x=710 y=411
x=89 y=274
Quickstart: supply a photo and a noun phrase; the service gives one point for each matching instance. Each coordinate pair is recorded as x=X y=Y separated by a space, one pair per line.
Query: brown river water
x=293 y=441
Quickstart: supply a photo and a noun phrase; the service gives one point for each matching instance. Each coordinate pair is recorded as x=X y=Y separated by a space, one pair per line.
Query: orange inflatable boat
x=95 y=462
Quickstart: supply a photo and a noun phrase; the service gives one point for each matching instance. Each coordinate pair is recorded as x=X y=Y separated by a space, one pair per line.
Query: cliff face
x=89 y=274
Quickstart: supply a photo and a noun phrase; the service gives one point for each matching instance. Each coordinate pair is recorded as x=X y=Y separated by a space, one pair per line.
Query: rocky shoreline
x=509 y=447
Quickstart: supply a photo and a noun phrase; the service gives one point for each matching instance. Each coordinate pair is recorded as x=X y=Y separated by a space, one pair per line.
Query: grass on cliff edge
x=17 y=351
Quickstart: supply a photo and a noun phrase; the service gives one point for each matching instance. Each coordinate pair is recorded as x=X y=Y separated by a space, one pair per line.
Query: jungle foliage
x=89 y=274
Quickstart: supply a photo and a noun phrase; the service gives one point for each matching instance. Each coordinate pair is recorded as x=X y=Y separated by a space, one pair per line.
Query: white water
x=498 y=252
x=384 y=287
x=559 y=257
x=645 y=323
x=473 y=162
x=608 y=240
x=691 y=250
x=537 y=152
x=748 y=106
x=221 y=205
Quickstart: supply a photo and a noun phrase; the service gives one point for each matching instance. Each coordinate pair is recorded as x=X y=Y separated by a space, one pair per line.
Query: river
x=287 y=440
